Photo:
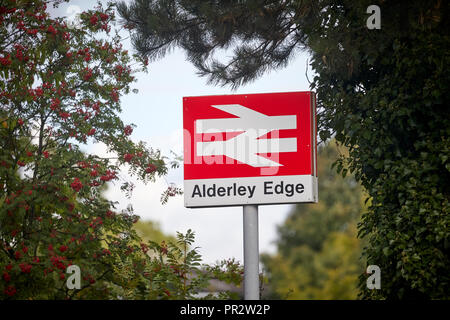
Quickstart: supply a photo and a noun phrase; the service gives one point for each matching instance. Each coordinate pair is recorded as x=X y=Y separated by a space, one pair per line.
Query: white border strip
x=250 y=190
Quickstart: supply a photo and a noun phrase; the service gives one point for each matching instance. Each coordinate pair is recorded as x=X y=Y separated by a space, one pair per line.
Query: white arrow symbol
x=245 y=146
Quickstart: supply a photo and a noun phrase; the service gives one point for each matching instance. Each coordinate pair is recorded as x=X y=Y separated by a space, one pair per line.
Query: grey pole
x=251 y=253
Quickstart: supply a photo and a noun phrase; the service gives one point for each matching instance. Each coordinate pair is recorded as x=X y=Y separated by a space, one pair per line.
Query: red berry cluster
x=25 y=267
x=109 y=175
x=128 y=130
x=76 y=185
x=128 y=157
x=150 y=168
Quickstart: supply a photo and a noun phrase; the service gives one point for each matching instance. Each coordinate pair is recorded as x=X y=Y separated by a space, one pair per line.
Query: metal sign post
x=251 y=252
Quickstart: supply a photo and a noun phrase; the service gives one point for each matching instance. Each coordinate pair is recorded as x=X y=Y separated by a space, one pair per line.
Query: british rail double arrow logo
x=246 y=146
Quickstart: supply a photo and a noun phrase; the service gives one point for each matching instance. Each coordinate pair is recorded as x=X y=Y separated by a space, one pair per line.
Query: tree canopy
x=382 y=93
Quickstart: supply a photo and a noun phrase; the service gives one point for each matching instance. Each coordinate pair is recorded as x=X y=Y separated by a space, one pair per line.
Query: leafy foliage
x=173 y=270
x=381 y=93
x=384 y=99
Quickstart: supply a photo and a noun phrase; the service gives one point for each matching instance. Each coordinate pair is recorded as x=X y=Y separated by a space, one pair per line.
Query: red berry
x=10 y=291
x=127 y=157
x=25 y=267
x=76 y=185
x=128 y=130
x=93 y=20
x=150 y=168
x=52 y=30
x=6 y=276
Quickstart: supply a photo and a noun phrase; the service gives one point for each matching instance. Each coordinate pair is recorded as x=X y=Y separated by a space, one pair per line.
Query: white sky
x=157 y=112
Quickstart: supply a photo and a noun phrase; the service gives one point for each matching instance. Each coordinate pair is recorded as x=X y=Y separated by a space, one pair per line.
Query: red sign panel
x=248 y=136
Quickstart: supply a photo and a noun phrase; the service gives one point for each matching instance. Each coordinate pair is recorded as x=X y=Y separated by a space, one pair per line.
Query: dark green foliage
x=381 y=93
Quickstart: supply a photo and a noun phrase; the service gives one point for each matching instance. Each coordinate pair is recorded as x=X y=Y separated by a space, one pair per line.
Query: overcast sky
x=157 y=112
